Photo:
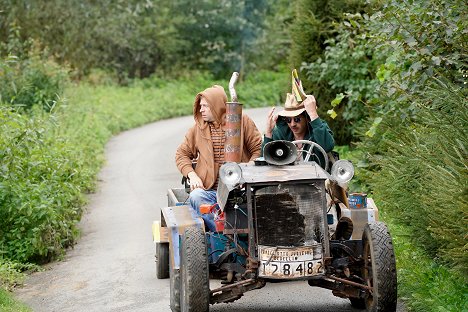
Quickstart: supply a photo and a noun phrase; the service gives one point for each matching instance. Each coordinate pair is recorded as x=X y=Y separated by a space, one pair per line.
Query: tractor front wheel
x=174 y=282
x=194 y=278
x=379 y=270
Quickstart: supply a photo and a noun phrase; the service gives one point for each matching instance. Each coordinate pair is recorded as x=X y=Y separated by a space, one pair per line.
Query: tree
x=218 y=35
x=313 y=27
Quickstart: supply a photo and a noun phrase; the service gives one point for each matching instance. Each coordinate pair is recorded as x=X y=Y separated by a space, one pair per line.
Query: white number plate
x=288 y=262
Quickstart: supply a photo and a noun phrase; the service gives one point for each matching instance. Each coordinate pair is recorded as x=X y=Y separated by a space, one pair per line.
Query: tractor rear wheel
x=194 y=278
x=162 y=260
x=379 y=270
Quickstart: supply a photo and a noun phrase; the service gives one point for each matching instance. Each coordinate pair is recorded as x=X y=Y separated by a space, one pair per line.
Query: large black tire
x=174 y=281
x=162 y=260
x=194 y=277
x=379 y=270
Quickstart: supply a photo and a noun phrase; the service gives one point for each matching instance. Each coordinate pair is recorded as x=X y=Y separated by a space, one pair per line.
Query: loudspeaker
x=280 y=152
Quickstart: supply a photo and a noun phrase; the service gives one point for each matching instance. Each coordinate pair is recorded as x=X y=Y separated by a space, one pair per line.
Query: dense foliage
x=39 y=196
x=349 y=68
x=422 y=136
x=24 y=83
x=389 y=76
x=399 y=77
x=313 y=27
x=136 y=38
x=427 y=162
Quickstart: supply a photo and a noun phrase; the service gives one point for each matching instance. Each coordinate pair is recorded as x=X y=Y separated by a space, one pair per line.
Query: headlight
x=342 y=171
x=230 y=174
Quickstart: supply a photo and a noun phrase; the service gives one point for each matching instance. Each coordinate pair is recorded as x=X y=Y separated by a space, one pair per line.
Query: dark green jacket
x=318 y=132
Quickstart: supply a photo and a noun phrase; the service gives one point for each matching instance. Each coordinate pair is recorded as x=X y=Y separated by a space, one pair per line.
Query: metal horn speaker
x=280 y=152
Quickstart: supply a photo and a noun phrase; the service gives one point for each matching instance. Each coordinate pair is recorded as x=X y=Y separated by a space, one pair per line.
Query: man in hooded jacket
x=204 y=142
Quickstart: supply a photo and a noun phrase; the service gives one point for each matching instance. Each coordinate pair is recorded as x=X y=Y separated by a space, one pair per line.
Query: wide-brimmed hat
x=292 y=107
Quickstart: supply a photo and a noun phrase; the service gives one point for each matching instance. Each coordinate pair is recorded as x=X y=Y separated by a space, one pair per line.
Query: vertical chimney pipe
x=232 y=147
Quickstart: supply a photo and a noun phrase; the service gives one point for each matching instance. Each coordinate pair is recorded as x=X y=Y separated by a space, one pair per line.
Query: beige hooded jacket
x=198 y=146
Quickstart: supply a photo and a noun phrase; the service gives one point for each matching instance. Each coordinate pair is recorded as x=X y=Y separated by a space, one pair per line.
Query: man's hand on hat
x=311 y=107
x=271 y=122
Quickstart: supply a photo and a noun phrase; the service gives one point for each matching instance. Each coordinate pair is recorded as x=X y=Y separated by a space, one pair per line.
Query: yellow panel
x=159 y=233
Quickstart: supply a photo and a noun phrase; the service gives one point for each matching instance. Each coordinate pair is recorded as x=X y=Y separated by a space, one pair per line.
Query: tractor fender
x=177 y=219
x=358 y=218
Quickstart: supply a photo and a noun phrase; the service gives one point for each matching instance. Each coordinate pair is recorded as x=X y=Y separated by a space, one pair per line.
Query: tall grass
x=8 y=304
x=424 y=284
x=423 y=174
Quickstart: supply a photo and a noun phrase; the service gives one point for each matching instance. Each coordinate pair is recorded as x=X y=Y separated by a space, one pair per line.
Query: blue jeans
x=198 y=197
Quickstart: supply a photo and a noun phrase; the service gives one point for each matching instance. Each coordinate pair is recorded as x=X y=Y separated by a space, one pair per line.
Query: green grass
x=8 y=304
x=423 y=284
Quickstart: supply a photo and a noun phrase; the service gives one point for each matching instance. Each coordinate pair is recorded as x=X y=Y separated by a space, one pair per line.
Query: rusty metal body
x=232 y=149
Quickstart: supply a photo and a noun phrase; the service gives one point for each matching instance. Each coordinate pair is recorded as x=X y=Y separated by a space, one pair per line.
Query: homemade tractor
x=278 y=219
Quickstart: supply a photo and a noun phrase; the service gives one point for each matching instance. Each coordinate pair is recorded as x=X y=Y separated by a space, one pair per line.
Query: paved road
x=112 y=266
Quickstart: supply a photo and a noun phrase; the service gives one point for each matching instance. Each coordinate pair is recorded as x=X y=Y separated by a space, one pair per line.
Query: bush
x=423 y=174
x=400 y=74
x=40 y=188
x=417 y=145
x=349 y=67
x=31 y=82
x=11 y=273
x=314 y=24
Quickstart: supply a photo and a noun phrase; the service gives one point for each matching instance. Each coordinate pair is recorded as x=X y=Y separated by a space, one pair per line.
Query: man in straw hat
x=299 y=121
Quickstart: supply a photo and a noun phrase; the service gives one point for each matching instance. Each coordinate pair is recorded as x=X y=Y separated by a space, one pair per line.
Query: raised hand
x=311 y=107
x=271 y=122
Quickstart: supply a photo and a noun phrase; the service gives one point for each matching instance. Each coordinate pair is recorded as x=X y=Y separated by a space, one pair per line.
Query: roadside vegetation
x=390 y=78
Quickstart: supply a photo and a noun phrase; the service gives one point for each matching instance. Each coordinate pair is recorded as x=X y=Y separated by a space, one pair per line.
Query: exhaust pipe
x=232 y=146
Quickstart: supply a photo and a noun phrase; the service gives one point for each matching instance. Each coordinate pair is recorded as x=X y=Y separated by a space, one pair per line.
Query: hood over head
x=216 y=98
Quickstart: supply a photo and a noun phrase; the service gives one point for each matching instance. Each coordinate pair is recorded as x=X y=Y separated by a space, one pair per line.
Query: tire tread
x=194 y=271
x=384 y=261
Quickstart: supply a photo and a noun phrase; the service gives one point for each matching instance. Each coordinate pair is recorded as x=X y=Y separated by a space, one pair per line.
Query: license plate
x=280 y=262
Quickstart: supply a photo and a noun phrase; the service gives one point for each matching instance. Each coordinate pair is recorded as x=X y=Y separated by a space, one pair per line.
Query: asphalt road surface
x=112 y=267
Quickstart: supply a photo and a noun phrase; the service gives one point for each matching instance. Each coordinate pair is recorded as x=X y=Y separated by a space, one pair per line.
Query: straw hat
x=292 y=107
